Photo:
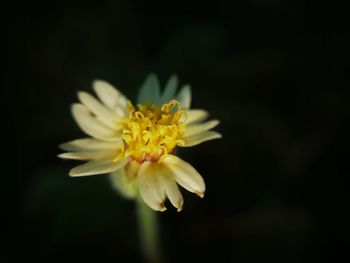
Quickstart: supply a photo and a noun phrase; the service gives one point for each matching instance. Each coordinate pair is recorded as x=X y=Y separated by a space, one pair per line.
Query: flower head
x=136 y=144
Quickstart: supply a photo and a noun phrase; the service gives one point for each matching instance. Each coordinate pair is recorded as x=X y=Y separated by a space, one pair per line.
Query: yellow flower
x=136 y=144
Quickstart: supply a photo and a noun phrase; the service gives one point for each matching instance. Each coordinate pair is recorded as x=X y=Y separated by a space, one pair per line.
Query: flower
x=136 y=144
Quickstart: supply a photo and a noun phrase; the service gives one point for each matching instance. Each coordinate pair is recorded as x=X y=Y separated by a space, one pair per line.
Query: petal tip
x=80 y=93
x=162 y=207
x=200 y=194
x=180 y=207
x=97 y=81
x=74 y=173
x=61 y=155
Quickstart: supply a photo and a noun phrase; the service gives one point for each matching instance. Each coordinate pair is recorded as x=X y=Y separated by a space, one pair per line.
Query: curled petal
x=200 y=127
x=185 y=174
x=199 y=138
x=90 y=125
x=171 y=189
x=91 y=155
x=90 y=144
x=102 y=113
x=109 y=95
x=170 y=89
x=150 y=187
x=97 y=167
x=150 y=90
x=196 y=115
x=184 y=97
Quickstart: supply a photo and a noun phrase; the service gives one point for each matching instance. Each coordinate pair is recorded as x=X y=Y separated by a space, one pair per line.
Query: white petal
x=200 y=127
x=150 y=188
x=170 y=89
x=90 y=144
x=97 y=167
x=185 y=175
x=120 y=182
x=105 y=115
x=150 y=90
x=196 y=116
x=121 y=110
x=88 y=155
x=171 y=189
x=184 y=97
x=90 y=125
x=109 y=95
x=199 y=138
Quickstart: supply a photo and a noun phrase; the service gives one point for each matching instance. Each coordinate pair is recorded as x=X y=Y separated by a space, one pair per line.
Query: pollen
x=150 y=131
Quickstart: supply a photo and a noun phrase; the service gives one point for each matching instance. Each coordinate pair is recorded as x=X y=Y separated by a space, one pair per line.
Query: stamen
x=139 y=115
x=150 y=131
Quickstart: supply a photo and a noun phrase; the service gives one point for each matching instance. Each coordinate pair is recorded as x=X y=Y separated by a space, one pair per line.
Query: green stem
x=148 y=230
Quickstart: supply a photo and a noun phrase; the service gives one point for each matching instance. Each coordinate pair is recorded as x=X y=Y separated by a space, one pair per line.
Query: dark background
x=272 y=71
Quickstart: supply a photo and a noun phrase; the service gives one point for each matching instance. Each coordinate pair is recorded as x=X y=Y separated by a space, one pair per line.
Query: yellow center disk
x=151 y=131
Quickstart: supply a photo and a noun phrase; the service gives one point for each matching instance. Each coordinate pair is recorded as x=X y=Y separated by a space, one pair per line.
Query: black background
x=272 y=71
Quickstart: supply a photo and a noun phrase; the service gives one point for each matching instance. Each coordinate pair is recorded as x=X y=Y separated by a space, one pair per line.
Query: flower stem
x=148 y=231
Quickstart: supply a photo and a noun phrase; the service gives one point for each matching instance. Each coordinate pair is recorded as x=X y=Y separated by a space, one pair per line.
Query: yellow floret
x=151 y=131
